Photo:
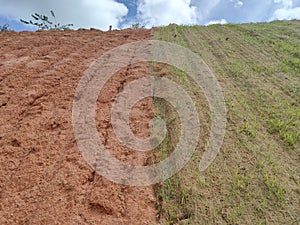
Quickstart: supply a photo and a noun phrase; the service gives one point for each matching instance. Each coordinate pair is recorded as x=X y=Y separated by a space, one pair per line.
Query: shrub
x=43 y=22
x=4 y=28
x=137 y=26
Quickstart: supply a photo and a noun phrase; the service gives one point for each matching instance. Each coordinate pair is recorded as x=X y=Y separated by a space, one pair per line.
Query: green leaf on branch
x=44 y=23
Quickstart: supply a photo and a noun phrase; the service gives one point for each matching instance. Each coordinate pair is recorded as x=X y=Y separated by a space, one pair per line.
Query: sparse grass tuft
x=275 y=189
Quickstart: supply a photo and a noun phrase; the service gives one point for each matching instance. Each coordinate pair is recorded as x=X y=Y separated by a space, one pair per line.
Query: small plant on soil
x=137 y=26
x=4 y=28
x=43 y=22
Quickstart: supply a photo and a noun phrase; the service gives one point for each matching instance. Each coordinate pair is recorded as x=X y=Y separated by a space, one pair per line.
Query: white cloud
x=222 y=21
x=284 y=3
x=286 y=14
x=82 y=13
x=163 y=12
x=204 y=9
x=237 y=3
x=286 y=11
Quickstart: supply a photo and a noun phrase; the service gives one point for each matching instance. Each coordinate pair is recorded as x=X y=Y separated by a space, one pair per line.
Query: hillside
x=255 y=178
x=44 y=178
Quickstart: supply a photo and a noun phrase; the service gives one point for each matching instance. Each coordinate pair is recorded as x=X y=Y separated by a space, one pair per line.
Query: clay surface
x=43 y=177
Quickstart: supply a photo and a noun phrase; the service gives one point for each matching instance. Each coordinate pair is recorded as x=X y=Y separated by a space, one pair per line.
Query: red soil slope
x=43 y=177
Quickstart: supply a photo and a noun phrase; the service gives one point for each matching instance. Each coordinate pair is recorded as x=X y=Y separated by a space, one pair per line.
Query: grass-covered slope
x=255 y=179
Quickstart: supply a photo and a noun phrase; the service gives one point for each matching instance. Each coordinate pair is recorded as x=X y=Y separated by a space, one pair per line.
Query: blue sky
x=123 y=13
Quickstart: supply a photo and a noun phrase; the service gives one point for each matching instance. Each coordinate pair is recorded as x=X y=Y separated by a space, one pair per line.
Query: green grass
x=255 y=179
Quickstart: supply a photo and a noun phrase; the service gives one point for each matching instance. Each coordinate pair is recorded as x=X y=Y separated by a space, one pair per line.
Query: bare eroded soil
x=43 y=177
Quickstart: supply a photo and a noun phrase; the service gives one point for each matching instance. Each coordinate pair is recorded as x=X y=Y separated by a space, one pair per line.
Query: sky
x=121 y=14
